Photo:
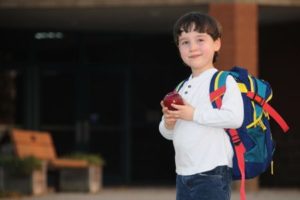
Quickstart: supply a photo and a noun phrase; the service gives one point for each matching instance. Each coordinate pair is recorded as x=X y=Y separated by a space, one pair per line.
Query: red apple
x=172 y=97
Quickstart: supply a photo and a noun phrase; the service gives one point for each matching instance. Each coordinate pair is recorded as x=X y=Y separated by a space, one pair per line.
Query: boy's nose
x=193 y=46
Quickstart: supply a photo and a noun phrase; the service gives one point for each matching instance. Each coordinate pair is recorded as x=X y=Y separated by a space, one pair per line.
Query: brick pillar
x=239 y=44
x=240 y=30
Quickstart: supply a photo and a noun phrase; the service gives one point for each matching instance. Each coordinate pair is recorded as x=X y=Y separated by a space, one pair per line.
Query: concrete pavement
x=159 y=193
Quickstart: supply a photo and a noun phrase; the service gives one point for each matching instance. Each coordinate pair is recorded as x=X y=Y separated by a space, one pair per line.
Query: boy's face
x=197 y=50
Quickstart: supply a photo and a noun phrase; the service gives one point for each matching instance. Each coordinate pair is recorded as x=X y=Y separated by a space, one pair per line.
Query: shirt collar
x=202 y=76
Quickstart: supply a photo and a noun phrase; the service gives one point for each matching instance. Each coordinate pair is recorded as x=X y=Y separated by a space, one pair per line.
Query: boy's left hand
x=185 y=112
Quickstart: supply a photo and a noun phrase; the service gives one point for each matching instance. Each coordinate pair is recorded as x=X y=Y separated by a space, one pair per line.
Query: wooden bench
x=74 y=175
x=40 y=145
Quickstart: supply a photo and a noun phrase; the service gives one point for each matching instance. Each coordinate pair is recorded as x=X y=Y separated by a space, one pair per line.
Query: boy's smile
x=194 y=56
x=197 y=50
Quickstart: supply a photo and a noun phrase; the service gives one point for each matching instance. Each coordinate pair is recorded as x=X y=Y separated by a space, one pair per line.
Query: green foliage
x=93 y=159
x=20 y=166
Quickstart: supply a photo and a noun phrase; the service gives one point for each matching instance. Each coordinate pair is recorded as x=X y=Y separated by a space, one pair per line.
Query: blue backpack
x=252 y=143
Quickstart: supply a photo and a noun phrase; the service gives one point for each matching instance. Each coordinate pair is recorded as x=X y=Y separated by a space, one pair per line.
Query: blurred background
x=93 y=73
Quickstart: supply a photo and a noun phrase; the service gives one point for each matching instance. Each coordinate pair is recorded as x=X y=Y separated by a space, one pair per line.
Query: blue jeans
x=210 y=185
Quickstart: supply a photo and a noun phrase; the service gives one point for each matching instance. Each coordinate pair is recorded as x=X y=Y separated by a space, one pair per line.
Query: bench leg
x=39 y=180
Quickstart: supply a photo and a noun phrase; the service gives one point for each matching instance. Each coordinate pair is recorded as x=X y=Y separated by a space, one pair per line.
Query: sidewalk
x=159 y=194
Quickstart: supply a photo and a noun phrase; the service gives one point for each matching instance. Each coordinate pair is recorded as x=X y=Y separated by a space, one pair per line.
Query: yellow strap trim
x=254 y=122
x=216 y=97
x=243 y=88
x=217 y=80
x=253 y=104
x=270 y=97
x=266 y=114
x=272 y=167
x=262 y=125
x=254 y=113
x=251 y=84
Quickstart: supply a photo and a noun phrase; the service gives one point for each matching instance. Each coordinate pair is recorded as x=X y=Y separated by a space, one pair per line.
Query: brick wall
x=239 y=40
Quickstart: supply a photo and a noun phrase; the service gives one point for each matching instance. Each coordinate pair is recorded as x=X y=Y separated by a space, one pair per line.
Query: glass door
x=86 y=109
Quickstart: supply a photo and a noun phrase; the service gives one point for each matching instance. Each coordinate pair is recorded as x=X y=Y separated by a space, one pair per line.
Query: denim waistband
x=217 y=170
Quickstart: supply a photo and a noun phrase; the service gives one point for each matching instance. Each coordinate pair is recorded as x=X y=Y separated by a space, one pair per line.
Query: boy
x=203 y=152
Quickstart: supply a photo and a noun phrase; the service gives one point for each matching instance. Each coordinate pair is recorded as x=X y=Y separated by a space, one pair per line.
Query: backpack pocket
x=258 y=153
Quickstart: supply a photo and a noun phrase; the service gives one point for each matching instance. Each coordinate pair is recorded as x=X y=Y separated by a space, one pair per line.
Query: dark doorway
x=99 y=93
x=279 y=52
x=85 y=109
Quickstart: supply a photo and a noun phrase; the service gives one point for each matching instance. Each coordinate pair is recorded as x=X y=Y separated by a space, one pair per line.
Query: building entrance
x=86 y=110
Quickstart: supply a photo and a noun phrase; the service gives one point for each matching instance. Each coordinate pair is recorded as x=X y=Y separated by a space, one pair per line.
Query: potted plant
x=83 y=179
x=24 y=175
x=92 y=159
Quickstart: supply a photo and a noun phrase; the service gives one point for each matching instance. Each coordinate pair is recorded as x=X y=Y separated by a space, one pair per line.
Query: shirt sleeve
x=231 y=113
x=166 y=133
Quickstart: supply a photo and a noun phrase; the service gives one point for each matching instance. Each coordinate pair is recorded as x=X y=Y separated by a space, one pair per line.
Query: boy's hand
x=170 y=120
x=185 y=112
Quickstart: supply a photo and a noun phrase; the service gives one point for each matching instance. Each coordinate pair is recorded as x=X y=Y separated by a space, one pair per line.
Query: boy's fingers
x=164 y=108
x=178 y=107
x=162 y=104
x=168 y=116
x=174 y=114
x=171 y=119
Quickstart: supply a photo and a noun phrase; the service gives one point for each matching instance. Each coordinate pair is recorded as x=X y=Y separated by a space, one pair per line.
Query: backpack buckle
x=261 y=101
x=236 y=143
x=235 y=138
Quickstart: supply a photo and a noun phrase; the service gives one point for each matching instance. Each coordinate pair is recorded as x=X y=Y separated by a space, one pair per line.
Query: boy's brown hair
x=202 y=23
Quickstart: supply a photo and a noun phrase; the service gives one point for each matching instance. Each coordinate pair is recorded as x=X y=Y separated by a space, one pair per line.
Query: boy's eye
x=185 y=42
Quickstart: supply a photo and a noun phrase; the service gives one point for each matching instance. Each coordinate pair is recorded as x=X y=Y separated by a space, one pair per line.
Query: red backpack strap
x=217 y=90
x=269 y=109
x=240 y=150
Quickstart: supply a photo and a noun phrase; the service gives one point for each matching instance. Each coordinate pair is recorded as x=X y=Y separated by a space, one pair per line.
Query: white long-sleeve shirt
x=202 y=144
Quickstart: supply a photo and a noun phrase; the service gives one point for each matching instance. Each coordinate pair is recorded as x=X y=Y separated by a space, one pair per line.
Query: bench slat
x=39 y=152
x=32 y=137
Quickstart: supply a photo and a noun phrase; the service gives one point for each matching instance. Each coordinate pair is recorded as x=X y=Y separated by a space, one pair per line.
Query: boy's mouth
x=194 y=56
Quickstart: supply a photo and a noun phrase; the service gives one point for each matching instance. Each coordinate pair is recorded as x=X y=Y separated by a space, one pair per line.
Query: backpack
x=252 y=143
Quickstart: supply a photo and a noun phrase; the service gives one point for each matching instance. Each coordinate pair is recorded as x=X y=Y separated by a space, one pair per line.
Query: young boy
x=203 y=152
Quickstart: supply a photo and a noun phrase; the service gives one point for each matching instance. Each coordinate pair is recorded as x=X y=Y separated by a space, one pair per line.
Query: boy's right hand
x=170 y=121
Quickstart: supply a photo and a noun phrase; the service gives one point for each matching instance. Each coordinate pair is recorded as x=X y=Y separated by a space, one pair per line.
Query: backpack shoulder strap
x=260 y=92
x=179 y=86
x=217 y=88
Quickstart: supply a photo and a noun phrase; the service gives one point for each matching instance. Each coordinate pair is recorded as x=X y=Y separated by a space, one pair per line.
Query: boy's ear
x=217 y=44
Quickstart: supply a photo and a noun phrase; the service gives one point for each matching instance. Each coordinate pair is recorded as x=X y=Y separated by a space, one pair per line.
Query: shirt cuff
x=166 y=133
